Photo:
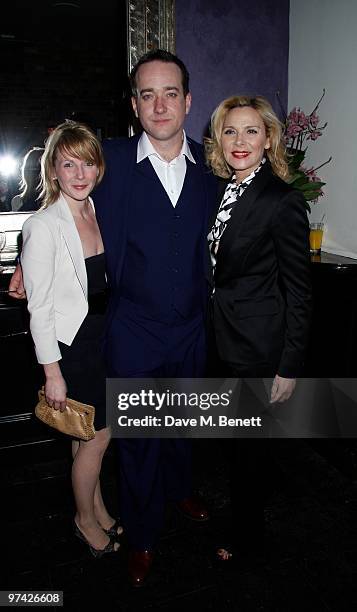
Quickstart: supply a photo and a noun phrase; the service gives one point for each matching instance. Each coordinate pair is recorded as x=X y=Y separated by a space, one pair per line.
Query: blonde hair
x=273 y=127
x=30 y=173
x=74 y=139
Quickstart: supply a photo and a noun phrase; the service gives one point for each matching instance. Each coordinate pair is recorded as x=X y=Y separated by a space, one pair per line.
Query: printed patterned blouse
x=232 y=192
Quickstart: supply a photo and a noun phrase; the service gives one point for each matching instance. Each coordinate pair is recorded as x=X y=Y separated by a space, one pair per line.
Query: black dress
x=82 y=363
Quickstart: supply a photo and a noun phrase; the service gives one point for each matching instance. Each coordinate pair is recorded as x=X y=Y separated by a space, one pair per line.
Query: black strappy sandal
x=97 y=553
x=113 y=530
x=224 y=555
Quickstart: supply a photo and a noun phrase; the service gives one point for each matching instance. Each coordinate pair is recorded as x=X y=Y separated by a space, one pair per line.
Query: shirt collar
x=146 y=149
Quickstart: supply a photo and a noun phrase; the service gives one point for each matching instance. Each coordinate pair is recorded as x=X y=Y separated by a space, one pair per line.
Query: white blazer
x=55 y=278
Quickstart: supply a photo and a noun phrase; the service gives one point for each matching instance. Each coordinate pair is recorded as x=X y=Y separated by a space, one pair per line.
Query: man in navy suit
x=153 y=208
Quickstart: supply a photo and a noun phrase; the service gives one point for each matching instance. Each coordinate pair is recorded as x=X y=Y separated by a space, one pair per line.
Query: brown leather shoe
x=140 y=562
x=194 y=509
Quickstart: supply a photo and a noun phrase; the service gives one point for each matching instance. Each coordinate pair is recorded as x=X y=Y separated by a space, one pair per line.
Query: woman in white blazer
x=64 y=277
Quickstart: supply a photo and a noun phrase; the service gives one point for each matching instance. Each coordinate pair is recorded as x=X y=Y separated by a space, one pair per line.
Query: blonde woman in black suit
x=261 y=301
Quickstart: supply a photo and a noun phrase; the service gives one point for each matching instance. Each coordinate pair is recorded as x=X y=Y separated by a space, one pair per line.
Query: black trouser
x=250 y=467
x=249 y=472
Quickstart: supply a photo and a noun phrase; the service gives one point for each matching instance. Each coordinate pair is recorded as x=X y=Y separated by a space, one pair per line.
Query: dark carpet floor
x=311 y=531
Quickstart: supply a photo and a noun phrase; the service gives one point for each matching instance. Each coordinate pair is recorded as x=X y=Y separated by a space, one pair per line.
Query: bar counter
x=333 y=339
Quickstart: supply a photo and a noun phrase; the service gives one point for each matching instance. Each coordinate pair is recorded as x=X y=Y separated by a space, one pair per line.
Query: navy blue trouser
x=153 y=471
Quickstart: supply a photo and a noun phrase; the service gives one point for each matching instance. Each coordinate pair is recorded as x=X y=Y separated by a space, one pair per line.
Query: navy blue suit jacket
x=112 y=198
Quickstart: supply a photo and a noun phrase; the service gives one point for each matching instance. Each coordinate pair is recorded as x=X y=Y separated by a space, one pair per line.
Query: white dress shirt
x=171 y=174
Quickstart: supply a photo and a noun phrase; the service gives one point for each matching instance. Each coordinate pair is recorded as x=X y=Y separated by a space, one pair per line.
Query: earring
x=54 y=178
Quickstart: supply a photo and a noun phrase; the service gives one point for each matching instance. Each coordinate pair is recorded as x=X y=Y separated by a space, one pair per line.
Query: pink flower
x=298 y=129
x=303 y=120
x=297 y=118
x=293 y=116
x=314 y=135
x=314 y=120
x=299 y=126
x=293 y=130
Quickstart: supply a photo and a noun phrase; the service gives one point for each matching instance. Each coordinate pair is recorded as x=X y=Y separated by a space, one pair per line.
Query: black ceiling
x=22 y=18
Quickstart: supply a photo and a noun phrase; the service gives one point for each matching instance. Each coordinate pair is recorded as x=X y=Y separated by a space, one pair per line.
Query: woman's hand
x=16 y=286
x=55 y=387
x=281 y=389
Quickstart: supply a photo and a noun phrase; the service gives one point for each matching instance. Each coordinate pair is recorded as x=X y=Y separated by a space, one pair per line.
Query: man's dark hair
x=161 y=56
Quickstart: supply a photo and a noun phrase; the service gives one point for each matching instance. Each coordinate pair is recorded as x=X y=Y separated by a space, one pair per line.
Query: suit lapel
x=200 y=170
x=73 y=242
x=235 y=226
x=221 y=187
x=208 y=185
x=146 y=169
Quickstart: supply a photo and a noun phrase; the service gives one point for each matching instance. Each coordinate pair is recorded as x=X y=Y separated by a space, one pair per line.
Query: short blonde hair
x=273 y=127
x=74 y=139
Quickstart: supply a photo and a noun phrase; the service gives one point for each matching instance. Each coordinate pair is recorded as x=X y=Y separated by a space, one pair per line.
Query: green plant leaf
x=296 y=176
x=310 y=186
x=316 y=184
x=311 y=195
x=302 y=182
x=295 y=158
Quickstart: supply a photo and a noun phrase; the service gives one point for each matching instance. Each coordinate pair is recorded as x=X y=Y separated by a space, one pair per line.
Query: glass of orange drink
x=316 y=235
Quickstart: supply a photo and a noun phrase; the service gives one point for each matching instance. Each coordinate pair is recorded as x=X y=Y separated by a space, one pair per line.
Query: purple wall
x=232 y=47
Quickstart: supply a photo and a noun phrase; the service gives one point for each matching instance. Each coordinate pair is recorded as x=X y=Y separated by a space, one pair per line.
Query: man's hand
x=16 y=286
x=282 y=389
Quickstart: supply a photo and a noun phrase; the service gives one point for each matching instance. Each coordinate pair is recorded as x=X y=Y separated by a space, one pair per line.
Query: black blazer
x=262 y=299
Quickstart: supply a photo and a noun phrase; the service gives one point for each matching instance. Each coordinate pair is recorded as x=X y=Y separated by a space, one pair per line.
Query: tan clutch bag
x=76 y=421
